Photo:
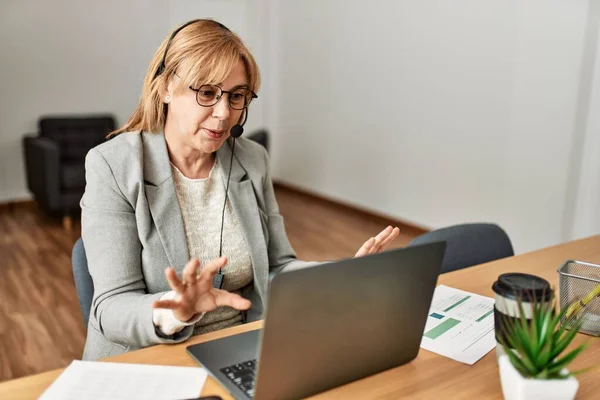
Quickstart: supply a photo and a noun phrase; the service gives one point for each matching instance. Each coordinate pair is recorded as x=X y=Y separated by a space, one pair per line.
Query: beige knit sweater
x=201 y=203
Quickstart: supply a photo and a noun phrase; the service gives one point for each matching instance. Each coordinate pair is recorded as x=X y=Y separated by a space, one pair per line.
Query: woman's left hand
x=379 y=242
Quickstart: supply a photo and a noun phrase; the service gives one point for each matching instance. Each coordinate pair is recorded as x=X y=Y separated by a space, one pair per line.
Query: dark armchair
x=55 y=157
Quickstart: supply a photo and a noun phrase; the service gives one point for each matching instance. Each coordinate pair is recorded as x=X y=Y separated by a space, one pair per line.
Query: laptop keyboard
x=242 y=375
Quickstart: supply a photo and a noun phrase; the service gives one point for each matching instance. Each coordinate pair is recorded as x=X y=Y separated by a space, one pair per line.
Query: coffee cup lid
x=518 y=285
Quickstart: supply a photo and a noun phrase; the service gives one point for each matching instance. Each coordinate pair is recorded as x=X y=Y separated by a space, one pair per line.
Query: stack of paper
x=460 y=325
x=104 y=380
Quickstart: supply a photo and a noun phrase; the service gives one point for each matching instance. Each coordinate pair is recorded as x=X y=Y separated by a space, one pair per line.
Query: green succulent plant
x=537 y=348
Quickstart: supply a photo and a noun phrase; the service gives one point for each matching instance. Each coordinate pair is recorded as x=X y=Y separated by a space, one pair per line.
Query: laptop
x=330 y=324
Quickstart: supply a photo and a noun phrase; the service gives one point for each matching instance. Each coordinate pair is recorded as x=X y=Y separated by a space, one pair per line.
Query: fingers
x=382 y=236
x=210 y=269
x=380 y=239
x=190 y=271
x=365 y=248
x=173 y=280
x=379 y=242
x=169 y=304
x=224 y=298
x=385 y=243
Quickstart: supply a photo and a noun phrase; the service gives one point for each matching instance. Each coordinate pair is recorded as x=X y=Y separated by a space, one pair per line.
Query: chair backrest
x=469 y=244
x=83 y=280
x=260 y=136
x=76 y=135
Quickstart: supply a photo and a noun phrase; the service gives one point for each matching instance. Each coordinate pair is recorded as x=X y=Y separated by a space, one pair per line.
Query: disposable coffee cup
x=511 y=288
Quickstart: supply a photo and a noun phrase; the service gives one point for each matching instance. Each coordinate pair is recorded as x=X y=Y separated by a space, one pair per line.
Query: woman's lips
x=215 y=134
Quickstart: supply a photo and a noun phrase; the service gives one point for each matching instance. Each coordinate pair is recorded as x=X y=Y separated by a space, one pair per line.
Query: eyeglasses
x=209 y=95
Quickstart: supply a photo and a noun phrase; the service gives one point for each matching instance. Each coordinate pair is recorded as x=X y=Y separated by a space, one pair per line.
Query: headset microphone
x=236 y=131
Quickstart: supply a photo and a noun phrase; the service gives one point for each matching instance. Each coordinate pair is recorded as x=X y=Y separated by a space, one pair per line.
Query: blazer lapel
x=243 y=201
x=162 y=199
x=164 y=206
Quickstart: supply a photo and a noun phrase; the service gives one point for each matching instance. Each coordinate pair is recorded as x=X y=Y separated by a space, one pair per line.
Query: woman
x=166 y=190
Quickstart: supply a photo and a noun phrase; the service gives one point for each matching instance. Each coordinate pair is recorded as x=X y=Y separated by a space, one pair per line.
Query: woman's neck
x=192 y=163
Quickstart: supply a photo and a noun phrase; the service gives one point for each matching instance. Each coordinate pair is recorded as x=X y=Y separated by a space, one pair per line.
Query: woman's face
x=200 y=128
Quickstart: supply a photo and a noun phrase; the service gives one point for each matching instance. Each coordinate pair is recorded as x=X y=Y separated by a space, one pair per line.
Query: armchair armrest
x=42 y=163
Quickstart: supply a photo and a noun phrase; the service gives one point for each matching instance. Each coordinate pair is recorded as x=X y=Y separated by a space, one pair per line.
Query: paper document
x=103 y=380
x=460 y=325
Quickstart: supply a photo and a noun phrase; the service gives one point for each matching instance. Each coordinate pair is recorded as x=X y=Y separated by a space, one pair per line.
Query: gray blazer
x=132 y=230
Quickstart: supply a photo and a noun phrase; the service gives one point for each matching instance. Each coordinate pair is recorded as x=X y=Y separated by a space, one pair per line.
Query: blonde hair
x=203 y=52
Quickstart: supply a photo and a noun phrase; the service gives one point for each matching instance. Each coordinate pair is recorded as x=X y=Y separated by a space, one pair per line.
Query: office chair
x=469 y=244
x=83 y=280
x=260 y=136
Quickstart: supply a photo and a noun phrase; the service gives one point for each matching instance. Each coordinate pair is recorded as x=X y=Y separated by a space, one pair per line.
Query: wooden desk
x=428 y=376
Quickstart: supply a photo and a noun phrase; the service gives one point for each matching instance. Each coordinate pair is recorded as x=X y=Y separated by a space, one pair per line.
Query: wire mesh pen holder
x=579 y=288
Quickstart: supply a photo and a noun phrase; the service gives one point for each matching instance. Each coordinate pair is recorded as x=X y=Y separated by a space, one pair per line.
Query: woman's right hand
x=195 y=293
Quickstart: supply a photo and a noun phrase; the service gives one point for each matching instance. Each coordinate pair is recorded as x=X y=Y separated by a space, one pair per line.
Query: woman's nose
x=221 y=109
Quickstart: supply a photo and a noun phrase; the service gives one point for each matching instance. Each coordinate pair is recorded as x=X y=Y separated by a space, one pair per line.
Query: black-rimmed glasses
x=209 y=95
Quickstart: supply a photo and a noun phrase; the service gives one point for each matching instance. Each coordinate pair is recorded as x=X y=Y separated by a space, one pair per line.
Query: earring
x=167 y=99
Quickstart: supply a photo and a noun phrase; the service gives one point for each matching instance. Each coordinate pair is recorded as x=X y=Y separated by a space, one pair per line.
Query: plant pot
x=516 y=387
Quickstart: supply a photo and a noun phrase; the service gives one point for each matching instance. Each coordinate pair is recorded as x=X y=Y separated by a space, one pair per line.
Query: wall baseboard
x=15 y=197
x=407 y=227
x=14 y=204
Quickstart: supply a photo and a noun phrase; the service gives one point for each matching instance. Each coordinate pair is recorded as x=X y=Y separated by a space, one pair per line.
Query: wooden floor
x=40 y=321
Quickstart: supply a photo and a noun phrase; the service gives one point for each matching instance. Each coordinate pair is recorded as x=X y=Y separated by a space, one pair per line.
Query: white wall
x=434 y=112
x=582 y=211
x=69 y=56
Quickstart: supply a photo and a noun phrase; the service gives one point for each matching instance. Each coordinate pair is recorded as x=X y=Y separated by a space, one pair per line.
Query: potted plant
x=536 y=355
